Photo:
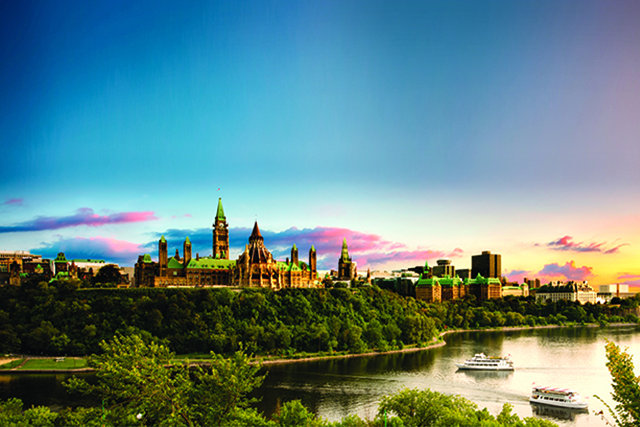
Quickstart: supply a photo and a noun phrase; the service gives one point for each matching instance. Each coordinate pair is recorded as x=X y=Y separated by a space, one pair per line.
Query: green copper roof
x=288 y=267
x=147 y=258
x=174 y=263
x=61 y=258
x=220 y=213
x=187 y=240
x=313 y=248
x=162 y=239
x=295 y=247
x=211 y=263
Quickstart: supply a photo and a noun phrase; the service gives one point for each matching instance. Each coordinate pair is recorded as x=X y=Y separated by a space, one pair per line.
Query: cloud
x=368 y=250
x=15 y=202
x=108 y=249
x=566 y=243
x=83 y=216
x=567 y=271
x=623 y=276
x=554 y=271
x=629 y=279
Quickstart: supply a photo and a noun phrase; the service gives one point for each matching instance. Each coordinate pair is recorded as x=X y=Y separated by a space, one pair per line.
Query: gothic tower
x=187 y=252
x=346 y=267
x=294 y=254
x=163 y=256
x=312 y=262
x=220 y=234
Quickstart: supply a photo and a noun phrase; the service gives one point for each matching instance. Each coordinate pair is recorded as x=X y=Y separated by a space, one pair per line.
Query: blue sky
x=441 y=128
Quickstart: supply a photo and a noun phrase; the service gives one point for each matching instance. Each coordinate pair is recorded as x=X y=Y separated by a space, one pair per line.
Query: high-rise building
x=444 y=268
x=487 y=265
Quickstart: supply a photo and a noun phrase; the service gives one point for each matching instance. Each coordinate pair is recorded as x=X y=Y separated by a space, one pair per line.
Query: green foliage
x=426 y=408
x=12 y=415
x=626 y=387
x=293 y=413
x=46 y=319
x=109 y=274
x=139 y=378
x=60 y=319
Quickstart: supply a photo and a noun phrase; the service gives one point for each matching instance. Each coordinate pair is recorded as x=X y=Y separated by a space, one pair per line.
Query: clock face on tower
x=221 y=226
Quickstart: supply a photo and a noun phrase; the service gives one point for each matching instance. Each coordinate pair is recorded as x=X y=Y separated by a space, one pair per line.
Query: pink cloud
x=367 y=249
x=417 y=256
x=519 y=275
x=568 y=271
x=566 y=243
x=16 y=202
x=83 y=216
x=111 y=250
x=550 y=272
x=628 y=276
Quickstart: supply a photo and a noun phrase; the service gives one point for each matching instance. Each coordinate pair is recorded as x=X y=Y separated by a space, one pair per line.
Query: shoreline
x=438 y=342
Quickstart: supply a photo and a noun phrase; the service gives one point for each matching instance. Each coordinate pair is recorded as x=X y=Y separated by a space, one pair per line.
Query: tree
x=139 y=378
x=108 y=274
x=426 y=408
x=11 y=414
x=293 y=413
x=626 y=387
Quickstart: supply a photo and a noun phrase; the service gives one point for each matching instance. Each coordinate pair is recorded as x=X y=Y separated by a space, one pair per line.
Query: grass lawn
x=11 y=364
x=69 y=363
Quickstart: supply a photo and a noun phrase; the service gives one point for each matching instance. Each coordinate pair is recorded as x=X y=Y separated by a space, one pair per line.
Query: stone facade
x=256 y=267
x=347 y=269
x=431 y=288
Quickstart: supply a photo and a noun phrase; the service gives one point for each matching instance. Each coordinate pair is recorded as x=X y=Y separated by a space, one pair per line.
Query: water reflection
x=557 y=413
x=479 y=376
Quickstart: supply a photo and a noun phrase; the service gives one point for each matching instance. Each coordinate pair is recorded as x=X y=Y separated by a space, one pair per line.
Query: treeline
x=526 y=311
x=58 y=318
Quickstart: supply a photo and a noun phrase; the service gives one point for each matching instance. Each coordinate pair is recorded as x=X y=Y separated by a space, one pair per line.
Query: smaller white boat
x=556 y=396
x=480 y=362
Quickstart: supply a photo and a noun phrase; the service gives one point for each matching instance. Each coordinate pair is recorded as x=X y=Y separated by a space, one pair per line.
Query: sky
x=417 y=130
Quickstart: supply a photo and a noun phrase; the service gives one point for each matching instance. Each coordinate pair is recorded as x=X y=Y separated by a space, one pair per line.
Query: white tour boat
x=556 y=396
x=480 y=362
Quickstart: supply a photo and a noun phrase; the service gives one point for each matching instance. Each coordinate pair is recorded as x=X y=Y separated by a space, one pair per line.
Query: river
x=333 y=389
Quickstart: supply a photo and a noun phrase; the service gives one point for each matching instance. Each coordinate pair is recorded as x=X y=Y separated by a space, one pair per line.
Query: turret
x=312 y=261
x=294 y=254
x=187 y=252
x=163 y=256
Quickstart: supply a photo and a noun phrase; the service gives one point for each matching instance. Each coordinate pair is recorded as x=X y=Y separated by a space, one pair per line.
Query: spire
x=313 y=249
x=220 y=212
x=162 y=239
x=255 y=234
x=187 y=240
x=345 y=250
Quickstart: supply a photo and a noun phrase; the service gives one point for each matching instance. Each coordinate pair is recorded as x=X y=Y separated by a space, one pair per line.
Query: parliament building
x=254 y=268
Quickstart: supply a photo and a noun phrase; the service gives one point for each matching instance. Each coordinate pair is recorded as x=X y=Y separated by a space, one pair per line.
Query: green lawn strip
x=47 y=364
x=11 y=364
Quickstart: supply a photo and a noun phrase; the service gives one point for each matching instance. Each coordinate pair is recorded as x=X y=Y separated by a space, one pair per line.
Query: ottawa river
x=563 y=357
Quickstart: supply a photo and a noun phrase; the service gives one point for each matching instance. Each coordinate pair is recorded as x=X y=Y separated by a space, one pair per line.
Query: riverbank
x=265 y=361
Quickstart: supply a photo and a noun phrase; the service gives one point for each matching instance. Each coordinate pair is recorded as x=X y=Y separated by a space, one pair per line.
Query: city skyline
x=417 y=131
